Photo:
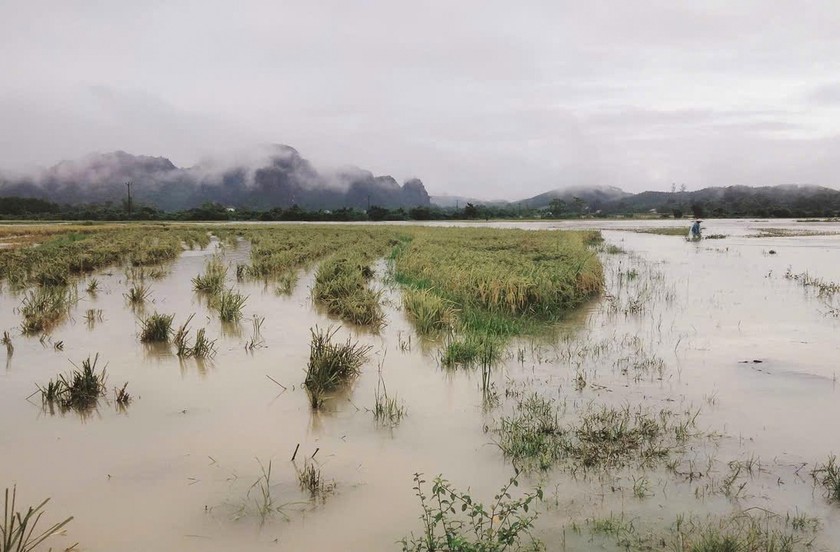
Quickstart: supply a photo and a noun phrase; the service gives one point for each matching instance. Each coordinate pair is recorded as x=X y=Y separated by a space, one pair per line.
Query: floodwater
x=176 y=471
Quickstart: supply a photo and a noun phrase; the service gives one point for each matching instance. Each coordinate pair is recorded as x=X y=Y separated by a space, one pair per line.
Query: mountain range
x=276 y=176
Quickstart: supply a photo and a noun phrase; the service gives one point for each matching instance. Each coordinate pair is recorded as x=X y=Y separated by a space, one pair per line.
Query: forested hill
x=790 y=200
x=277 y=177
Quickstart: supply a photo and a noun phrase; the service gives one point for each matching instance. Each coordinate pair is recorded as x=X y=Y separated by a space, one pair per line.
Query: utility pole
x=128 y=186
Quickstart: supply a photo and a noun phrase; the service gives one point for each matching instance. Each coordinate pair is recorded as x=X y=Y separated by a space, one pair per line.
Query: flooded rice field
x=695 y=398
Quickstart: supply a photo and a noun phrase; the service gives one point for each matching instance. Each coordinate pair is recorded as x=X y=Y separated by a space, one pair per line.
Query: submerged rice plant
x=430 y=312
x=331 y=365
x=387 y=410
x=138 y=293
x=79 y=390
x=156 y=328
x=828 y=477
x=43 y=307
x=229 y=304
x=341 y=286
x=213 y=279
x=19 y=532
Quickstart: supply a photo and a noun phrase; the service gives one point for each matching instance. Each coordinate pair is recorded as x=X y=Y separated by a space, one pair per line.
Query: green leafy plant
x=453 y=521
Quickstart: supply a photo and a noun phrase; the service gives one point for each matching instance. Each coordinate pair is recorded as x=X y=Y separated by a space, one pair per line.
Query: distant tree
x=673 y=187
x=375 y=212
x=580 y=205
x=697 y=210
x=678 y=214
x=470 y=211
x=682 y=188
x=557 y=206
x=420 y=213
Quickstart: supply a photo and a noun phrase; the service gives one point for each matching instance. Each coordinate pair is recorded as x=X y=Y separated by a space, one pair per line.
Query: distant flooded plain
x=729 y=344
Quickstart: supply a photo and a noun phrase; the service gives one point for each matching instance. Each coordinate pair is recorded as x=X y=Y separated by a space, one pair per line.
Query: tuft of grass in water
x=256 y=333
x=286 y=282
x=122 y=396
x=202 y=347
x=43 y=307
x=430 y=313
x=18 y=532
x=387 y=410
x=331 y=365
x=92 y=286
x=213 y=279
x=341 y=286
x=7 y=341
x=454 y=521
x=138 y=293
x=600 y=437
x=229 y=304
x=157 y=328
x=471 y=349
x=828 y=477
x=310 y=480
x=79 y=390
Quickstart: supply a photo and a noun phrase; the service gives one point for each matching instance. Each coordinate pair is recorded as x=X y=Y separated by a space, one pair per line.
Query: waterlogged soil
x=711 y=326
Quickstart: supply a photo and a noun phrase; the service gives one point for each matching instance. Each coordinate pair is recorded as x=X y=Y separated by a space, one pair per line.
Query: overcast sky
x=475 y=97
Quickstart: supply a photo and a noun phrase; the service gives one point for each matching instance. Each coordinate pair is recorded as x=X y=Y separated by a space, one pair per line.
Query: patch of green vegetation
x=454 y=521
x=156 y=328
x=600 y=437
x=79 y=390
x=45 y=306
x=341 y=286
x=213 y=279
x=331 y=365
x=828 y=477
x=229 y=304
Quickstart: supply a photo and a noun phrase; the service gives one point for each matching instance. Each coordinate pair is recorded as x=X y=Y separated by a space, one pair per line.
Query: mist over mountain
x=274 y=176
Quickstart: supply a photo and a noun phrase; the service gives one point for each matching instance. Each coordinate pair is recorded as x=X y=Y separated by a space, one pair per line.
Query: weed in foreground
x=19 y=533
x=156 y=328
x=331 y=365
x=453 y=521
x=470 y=349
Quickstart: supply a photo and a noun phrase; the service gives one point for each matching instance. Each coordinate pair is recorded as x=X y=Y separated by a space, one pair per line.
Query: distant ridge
x=276 y=176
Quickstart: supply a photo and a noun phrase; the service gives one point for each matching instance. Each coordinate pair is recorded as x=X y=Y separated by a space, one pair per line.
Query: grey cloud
x=482 y=98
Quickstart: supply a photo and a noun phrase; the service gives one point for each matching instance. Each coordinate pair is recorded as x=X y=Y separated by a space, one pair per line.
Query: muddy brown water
x=175 y=471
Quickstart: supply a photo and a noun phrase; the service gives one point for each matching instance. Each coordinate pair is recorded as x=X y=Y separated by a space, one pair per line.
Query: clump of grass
x=601 y=437
x=229 y=304
x=79 y=390
x=387 y=410
x=331 y=365
x=92 y=286
x=286 y=282
x=341 y=286
x=202 y=347
x=138 y=293
x=7 y=341
x=256 y=333
x=122 y=396
x=311 y=481
x=470 y=349
x=213 y=279
x=18 y=532
x=828 y=477
x=43 y=307
x=430 y=313
x=454 y=521
x=157 y=328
